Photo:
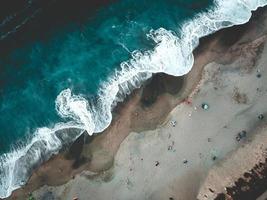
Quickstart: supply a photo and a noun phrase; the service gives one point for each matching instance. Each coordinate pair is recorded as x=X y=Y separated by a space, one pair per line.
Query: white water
x=171 y=55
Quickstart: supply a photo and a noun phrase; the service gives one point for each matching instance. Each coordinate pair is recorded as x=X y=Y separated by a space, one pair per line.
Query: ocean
x=55 y=87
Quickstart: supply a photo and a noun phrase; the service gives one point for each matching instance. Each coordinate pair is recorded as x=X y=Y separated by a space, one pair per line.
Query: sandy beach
x=175 y=138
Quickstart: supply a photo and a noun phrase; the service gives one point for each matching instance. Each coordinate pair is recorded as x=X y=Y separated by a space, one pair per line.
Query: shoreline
x=103 y=147
x=248 y=176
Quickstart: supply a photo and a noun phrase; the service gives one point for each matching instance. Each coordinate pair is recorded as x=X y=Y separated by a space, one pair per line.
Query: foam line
x=172 y=55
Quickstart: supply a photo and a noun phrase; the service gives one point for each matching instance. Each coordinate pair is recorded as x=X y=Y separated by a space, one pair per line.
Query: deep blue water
x=80 y=57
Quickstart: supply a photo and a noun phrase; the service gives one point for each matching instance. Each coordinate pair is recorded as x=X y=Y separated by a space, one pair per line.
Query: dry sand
x=143 y=156
x=235 y=166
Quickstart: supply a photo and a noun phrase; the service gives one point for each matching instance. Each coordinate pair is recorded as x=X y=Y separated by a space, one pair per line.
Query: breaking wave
x=172 y=55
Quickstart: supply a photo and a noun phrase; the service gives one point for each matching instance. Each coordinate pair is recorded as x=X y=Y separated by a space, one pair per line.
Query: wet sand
x=162 y=143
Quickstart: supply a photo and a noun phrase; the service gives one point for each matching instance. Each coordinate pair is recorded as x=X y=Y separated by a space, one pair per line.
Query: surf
x=172 y=54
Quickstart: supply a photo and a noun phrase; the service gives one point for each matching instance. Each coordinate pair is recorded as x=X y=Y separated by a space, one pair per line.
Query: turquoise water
x=79 y=57
x=53 y=89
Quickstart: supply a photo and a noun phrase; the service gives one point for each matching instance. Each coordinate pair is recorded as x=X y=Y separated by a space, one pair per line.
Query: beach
x=175 y=137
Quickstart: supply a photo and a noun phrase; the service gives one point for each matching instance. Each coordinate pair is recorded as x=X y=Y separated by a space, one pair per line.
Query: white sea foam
x=171 y=55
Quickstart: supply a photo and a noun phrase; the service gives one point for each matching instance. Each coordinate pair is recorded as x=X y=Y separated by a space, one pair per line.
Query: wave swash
x=172 y=55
